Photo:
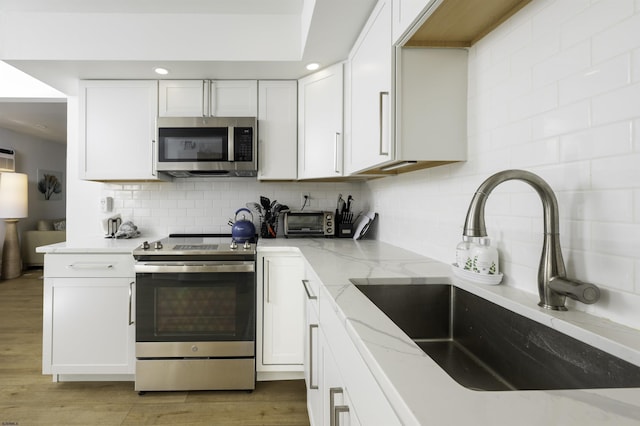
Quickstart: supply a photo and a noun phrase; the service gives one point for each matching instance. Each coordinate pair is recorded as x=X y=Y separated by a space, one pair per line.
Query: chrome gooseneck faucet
x=553 y=285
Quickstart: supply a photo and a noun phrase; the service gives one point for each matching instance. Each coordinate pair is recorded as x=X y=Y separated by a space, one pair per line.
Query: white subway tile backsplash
x=617 y=105
x=601 y=78
x=533 y=103
x=599 y=17
x=563 y=64
x=617 y=40
x=616 y=172
x=551 y=18
x=595 y=142
x=562 y=120
x=536 y=153
x=616 y=239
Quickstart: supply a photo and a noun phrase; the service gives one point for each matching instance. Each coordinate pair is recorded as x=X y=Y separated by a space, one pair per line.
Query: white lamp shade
x=13 y=195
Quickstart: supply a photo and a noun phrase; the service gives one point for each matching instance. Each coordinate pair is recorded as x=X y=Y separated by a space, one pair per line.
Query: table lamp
x=13 y=206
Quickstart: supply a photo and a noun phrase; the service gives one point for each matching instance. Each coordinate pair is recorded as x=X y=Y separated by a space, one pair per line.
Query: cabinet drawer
x=88 y=265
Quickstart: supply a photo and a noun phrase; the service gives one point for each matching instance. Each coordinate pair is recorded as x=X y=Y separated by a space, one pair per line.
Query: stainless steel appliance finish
x=309 y=223
x=195 y=314
x=207 y=146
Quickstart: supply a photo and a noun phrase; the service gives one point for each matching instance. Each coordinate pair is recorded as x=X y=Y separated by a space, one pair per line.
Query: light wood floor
x=29 y=398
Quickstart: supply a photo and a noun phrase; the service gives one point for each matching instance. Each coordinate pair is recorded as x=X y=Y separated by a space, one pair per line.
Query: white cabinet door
x=234 y=98
x=215 y=98
x=92 y=329
x=283 y=311
x=371 y=85
x=117 y=130
x=277 y=130
x=406 y=14
x=320 y=107
x=181 y=98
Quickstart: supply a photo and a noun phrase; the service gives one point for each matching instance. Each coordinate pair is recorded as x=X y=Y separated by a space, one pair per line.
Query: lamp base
x=11 y=258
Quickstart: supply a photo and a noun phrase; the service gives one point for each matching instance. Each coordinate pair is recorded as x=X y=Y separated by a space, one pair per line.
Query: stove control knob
x=158 y=245
x=145 y=245
x=233 y=245
x=247 y=245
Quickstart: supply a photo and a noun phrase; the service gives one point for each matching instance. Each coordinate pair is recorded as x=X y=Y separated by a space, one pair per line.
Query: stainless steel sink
x=486 y=347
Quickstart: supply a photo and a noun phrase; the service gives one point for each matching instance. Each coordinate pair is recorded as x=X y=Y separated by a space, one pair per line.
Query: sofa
x=48 y=231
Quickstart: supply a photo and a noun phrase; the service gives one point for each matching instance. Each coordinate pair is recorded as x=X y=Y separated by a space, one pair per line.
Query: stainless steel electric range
x=195 y=313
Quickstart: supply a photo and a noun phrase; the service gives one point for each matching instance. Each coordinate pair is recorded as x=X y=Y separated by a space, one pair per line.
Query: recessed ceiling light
x=161 y=71
x=313 y=66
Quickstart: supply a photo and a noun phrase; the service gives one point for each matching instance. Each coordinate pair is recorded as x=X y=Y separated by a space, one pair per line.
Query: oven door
x=204 y=301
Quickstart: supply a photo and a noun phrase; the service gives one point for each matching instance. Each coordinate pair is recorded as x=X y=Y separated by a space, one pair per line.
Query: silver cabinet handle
x=212 y=99
x=334 y=419
x=153 y=158
x=131 y=302
x=205 y=98
x=311 y=328
x=337 y=410
x=266 y=280
x=335 y=153
x=85 y=266
x=305 y=284
x=381 y=119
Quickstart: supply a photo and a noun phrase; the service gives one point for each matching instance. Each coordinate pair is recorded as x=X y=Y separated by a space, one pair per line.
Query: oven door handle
x=195 y=267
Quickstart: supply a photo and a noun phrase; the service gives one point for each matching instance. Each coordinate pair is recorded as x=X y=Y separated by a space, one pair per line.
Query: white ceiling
x=99 y=46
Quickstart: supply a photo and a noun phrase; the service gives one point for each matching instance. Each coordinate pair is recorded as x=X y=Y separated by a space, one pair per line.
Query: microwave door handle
x=231 y=144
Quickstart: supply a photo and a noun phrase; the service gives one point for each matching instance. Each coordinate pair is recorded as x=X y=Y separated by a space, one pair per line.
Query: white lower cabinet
x=88 y=316
x=341 y=390
x=280 y=315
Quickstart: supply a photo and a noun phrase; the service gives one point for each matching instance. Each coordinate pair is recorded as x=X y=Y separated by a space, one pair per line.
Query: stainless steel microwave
x=309 y=223
x=207 y=146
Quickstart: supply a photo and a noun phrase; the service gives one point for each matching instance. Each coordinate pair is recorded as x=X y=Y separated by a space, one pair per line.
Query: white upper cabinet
x=216 y=98
x=181 y=98
x=277 y=130
x=320 y=133
x=407 y=106
x=405 y=15
x=117 y=130
x=371 y=62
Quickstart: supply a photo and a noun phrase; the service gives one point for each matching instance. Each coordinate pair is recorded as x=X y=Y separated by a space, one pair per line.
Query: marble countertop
x=96 y=244
x=418 y=389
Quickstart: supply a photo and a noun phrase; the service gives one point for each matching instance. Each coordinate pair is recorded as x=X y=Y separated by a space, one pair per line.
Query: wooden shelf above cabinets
x=461 y=23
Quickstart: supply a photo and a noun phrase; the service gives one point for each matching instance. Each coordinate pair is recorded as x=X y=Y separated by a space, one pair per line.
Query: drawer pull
x=305 y=283
x=87 y=266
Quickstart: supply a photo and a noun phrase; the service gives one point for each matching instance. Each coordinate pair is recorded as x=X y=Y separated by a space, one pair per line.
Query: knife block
x=345 y=230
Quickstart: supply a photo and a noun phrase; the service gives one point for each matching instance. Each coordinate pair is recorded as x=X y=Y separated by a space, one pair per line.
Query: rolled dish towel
x=127 y=230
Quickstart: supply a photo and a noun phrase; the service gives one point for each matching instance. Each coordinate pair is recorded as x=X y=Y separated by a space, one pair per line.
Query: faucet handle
x=577 y=290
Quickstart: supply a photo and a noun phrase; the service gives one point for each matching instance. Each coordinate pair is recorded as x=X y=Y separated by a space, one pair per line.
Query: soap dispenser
x=484 y=257
x=463 y=253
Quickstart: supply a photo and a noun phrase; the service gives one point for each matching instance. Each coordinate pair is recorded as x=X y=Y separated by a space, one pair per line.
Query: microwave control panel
x=243 y=144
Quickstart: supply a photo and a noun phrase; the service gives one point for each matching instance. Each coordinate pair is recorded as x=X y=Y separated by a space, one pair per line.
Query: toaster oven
x=309 y=223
